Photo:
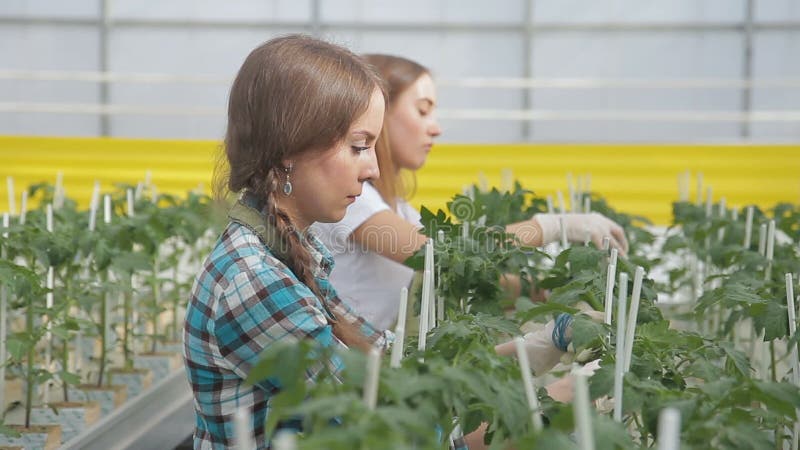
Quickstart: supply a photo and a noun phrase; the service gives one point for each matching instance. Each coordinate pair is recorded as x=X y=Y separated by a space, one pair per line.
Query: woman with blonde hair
x=381 y=230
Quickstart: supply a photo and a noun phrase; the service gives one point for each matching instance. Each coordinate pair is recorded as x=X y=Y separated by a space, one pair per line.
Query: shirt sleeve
x=260 y=308
x=379 y=338
x=335 y=236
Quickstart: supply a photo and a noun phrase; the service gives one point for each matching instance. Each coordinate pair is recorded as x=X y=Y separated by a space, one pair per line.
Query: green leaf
x=772 y=318
x=543 y=309
x=736 y=358
x=69 y=377
x=782 y=397
x=586 y=331
x=11 y=432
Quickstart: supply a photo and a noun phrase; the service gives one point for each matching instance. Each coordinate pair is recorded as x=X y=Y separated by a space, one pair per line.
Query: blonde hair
x=398 y=73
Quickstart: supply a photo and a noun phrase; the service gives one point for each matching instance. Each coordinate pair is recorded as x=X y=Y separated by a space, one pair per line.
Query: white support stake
x=587 y=204
x=243 y=429
x=762 y=239
x=527 y=382
x=130 y=203
x=284 y=440
x=432 y=285
x=106 y=209
x=423 y=311
x=669 y=429
x=550 y=208
x=12 y=205
x=573 y=204
x=563 y=229
x=3 y=322
x=609 y=300
x=770 y=251
x=619 y=366
x=748 y=227
x=792 y=327
x=371 y=378
x=794 y=356
x=23 y=210
x=562 y=208
x=581 y=411
x=58 y=194
x=49 y=218
x=633 y=314
x=614 y=254
x=400 y=330
x=92 y=215
x=137 y=194
x=48 y=350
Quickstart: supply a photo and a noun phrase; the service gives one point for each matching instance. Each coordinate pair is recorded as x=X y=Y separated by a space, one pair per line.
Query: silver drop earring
x=287 y=186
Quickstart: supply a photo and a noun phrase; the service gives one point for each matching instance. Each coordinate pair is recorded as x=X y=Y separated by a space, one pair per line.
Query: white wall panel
x=425 y=11
x=39 y=47
x=50 y=8
x=458 y=55
x=770 y=62
x=228 y=10
x=777 y=10
x=638 y=11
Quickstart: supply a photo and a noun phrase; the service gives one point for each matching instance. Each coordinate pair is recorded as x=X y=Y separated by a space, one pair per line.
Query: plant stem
x=156 y=303
x=64 y=362
x=772 y=361
x=103 y=330
x=642 y=429
x=31 y=355
x=126 y=325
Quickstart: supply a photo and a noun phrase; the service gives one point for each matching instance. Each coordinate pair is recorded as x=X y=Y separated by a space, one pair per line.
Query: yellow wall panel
x=640 y=179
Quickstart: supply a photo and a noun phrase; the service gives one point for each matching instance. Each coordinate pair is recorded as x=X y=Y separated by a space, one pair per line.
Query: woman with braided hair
x=303 y=118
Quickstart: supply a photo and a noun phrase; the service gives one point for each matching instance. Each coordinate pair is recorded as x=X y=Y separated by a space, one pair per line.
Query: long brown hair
x=293 y=95
x=398 y=73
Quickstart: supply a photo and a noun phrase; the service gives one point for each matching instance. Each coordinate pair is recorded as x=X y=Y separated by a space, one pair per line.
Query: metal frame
x=528 y=30
x=160 y=417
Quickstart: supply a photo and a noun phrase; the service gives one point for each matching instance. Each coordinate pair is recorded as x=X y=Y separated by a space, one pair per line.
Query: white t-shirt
x=368 y=282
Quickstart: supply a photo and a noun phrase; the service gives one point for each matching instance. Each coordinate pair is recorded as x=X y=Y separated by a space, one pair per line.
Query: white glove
x=582 y=227
x=542 y=353
x=542 y=345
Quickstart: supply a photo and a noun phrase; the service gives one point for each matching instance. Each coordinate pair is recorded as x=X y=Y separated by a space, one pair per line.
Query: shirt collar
x=248 y=211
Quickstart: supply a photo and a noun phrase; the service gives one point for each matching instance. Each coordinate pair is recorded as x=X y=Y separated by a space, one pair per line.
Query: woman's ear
x=288 y=164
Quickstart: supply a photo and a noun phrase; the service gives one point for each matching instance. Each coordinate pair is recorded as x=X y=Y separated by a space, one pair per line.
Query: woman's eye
x=360 y=149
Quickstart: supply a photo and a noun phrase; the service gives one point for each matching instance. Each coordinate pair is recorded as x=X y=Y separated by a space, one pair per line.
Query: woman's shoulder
x=240 y=251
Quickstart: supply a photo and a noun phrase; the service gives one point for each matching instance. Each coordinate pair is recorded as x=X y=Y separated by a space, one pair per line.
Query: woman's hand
x=580 y=227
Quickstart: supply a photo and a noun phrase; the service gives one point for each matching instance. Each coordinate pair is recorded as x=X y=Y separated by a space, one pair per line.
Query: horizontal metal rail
x=455 y=114
x=468 y=82
x=417 y=26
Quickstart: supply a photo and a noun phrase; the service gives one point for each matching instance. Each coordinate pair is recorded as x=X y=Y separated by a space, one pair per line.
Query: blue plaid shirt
x=244 y=300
